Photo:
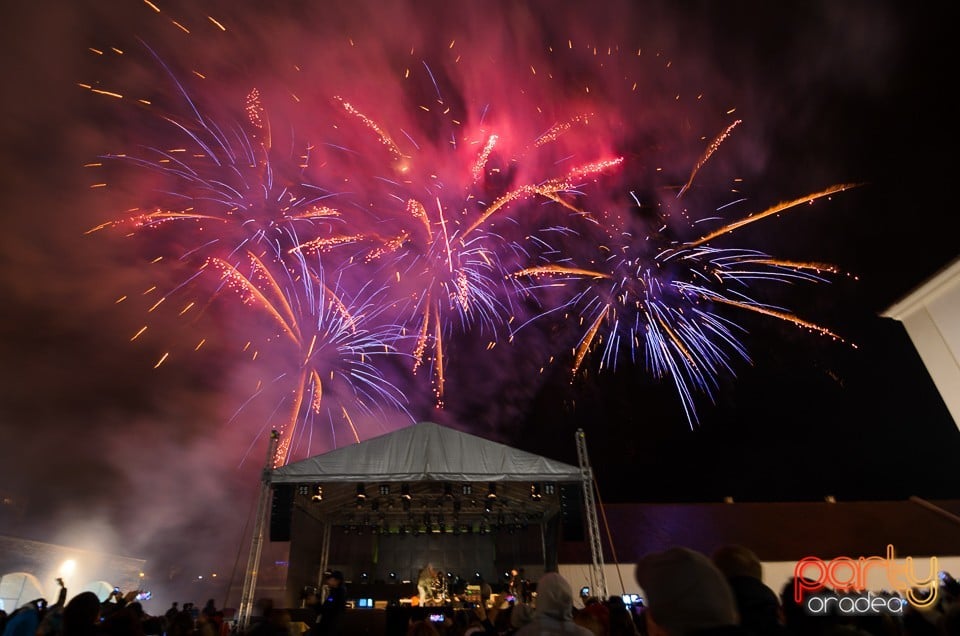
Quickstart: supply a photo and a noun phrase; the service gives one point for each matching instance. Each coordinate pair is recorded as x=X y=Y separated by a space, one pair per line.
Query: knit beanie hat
x=685 y=591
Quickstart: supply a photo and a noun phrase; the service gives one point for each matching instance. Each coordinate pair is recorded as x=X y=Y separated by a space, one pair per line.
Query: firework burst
x=334 y=340
x=650 y=297
x=452 y=222
x=385 y=225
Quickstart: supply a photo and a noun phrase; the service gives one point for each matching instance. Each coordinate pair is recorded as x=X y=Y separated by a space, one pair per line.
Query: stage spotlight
x=535 y=492
x=317 y=494
x=361 y=491
x=492 y=490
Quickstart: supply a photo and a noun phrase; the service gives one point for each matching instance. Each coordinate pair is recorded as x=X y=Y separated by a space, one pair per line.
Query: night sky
x=105 y=450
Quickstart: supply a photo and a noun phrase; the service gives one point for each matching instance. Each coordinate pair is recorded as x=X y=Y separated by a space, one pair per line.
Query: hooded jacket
x=554 y=610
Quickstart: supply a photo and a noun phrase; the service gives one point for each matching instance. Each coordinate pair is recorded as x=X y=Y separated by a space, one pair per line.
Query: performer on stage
x=333 y=606
x=519 y=586
x=425 y=584
x=441 y=593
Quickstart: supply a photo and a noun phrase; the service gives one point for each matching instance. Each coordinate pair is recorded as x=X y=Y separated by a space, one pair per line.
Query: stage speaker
x=571 y=512
x=281 y=512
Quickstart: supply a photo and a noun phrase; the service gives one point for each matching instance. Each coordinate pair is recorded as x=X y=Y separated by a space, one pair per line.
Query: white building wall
x=931 y=316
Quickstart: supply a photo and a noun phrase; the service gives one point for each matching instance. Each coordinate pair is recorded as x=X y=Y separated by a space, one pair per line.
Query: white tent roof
x=425 y=452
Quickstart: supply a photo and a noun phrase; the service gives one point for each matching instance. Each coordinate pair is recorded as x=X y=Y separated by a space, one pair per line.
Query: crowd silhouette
x=686 y=593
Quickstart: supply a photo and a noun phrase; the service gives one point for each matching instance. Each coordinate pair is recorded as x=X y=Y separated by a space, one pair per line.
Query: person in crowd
x=273 y=621
x=619 y=618
x=53 y=615
x=209 y=609
x=757 y=604
x=584 y=596
x=554 y=609
x=25 y=620
x=481 y=621
x=182 y=623
x=422 y=627
x=950 y=625
x=590 y=621
x=597 y=609
x=152 y=625
x=207 y=625
x=519 y=615
x=797 y=621
x=81 y=616
x=503 y=621
x=687 y=595
x=125 y=621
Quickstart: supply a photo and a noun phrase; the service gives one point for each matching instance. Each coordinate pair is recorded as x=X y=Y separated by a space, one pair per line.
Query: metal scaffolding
x=598 y=580
x=256 y=541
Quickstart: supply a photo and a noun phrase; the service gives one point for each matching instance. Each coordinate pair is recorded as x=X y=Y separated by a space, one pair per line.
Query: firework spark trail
x=776 y=209
x=712 y=148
